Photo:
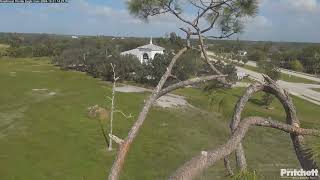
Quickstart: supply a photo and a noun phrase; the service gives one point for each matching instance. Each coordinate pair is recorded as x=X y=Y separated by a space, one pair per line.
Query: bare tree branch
x=125 y=146
x=292 y=119
x=188 y=83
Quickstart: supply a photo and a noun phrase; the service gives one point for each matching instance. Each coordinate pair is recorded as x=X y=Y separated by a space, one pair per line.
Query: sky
x=277 y=20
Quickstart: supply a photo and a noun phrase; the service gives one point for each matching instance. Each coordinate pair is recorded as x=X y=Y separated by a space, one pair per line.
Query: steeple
x=151 y=40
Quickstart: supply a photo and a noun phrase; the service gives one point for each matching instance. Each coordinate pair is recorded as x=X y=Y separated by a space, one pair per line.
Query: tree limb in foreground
x=125 y=146
x=199 y=163
x=283 y=96
x=188 y=83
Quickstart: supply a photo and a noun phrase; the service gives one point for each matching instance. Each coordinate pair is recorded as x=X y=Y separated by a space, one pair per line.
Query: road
x=301 y=90
x=284 y=71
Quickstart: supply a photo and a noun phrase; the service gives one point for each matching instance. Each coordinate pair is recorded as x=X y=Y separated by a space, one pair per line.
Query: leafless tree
x=114 y=110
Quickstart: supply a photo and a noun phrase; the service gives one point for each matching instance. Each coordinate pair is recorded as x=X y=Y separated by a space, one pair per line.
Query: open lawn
x=45 y=132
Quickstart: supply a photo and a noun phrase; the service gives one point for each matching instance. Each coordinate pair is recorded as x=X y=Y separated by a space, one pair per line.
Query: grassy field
x=45 y=132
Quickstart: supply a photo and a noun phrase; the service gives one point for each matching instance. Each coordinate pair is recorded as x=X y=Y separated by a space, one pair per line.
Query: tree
x=225 y=15
x=310 y=57
x=272 y=69
x=114 y=110
x=296 y=65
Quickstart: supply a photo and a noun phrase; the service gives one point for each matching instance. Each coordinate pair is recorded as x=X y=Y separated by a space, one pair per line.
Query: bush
x=296 y=65
x=187 y=66
x=18 y=52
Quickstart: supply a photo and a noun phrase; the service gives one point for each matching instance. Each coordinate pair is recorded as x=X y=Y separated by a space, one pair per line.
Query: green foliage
x=187 y=66
x=246 y=175
x=21 y=51
x=316 y=152
x=228 y=17
x=310 y=57
x=257 y=55
x=272 y=69
x=296 y=65
x=145 y=8
x=69 y=57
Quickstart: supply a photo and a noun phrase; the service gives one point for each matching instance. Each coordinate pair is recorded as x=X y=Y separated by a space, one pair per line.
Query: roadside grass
x=46 y=136
x=285 y=77
x=315 y=89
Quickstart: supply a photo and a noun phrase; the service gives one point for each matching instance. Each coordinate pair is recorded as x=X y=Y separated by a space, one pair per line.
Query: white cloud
x=302 y=5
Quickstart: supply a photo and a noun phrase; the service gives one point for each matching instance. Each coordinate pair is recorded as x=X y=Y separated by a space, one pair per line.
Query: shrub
x=296 y=65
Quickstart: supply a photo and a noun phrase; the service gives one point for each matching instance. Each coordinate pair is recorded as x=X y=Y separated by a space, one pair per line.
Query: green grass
x=51 y=137
x=315 y=89
x=285 y=77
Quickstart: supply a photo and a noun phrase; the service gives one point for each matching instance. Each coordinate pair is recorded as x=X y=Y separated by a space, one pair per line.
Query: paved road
x=301 y=90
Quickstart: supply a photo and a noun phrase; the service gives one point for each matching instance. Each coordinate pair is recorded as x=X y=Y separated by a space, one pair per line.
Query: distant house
x=146 y=52
x=241 y=75
x=242 y=53
x=74 y=37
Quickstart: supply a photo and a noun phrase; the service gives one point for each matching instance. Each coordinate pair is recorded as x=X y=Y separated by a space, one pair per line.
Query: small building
x=74 y=37
x=241 y=75
x=242 y=53
x=146 y=52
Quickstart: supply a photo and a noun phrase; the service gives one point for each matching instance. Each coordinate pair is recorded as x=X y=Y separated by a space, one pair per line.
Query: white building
x=145 y=52
x=241 y=75
x=242 y=53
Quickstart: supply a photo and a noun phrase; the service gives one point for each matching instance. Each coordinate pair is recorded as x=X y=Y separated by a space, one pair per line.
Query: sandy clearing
x=167 y=101
x=40 y=89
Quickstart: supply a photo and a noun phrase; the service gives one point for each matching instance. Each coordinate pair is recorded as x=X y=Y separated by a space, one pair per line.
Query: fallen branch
x=116 y=139
x=198 y=164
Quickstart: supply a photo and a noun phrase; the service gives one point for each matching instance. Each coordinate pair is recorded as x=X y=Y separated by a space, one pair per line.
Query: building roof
x=148 y=47
x=151 y=47
x=132 y=51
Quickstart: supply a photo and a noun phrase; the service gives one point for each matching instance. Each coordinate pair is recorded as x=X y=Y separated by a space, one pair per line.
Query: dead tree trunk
x=205 y=159
x=112 y=105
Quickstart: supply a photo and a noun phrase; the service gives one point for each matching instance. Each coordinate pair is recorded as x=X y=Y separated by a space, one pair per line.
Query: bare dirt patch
x=43 y=92
x=167 y=101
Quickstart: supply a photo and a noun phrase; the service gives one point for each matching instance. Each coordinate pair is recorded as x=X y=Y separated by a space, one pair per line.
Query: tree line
x=95 y=54
x=302 y=57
